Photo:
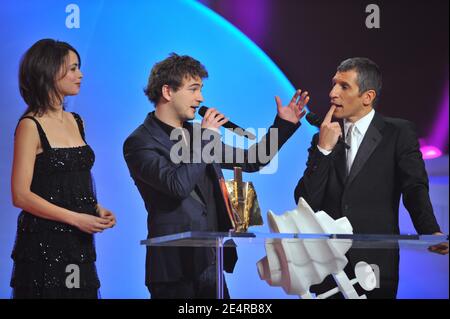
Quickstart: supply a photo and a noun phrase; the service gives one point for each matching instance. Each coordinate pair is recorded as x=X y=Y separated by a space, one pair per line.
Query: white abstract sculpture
x=295 y=264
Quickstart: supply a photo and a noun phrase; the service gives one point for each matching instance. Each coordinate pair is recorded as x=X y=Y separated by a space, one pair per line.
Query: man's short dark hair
x=171 y=72
x=369 y=75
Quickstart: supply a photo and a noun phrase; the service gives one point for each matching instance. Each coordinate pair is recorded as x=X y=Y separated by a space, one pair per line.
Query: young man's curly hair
x=171 y=72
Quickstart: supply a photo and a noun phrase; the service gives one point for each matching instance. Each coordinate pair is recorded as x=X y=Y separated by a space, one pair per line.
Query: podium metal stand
x=219 y=240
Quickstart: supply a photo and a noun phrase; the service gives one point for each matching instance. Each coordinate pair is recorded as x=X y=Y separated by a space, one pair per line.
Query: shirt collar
x=166 y=127
x=362 y=124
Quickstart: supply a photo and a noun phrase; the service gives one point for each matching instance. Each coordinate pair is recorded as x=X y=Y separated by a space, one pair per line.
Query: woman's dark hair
x=38 y=72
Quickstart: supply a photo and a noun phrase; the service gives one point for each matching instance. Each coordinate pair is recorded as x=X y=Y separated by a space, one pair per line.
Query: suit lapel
x=217 y=171
x=217 y=175
x=369 y=143
x=156 y=131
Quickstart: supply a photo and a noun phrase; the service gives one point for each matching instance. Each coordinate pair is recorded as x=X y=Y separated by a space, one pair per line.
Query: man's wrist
x=323 y=151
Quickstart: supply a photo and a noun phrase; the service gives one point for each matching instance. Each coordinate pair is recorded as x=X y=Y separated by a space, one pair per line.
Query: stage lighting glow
x=430 y=152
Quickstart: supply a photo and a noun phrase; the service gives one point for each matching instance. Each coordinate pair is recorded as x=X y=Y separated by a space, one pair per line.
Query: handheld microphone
x=230 y=125
x=316 y=120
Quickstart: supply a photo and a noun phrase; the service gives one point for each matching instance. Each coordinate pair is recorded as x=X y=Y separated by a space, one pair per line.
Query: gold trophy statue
x=242 y=203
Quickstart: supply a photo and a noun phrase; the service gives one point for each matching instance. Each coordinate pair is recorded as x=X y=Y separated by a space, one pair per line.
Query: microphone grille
x=314 y=119
x=202 y=110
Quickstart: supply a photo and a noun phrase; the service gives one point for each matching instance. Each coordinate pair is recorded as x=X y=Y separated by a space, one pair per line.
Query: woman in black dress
x=54 y=253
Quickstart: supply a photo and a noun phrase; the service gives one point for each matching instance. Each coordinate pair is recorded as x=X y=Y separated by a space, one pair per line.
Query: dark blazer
x=388 y=164
x=173 y=206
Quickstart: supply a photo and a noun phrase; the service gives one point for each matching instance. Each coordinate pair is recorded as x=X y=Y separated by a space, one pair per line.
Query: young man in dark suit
x=182 y=195
x=364 y=183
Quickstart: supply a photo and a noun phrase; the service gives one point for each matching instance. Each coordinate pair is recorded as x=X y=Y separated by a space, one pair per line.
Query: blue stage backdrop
x=119 y=42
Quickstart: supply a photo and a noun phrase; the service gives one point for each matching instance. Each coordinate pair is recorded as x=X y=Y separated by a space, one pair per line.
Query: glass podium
x=294 y=262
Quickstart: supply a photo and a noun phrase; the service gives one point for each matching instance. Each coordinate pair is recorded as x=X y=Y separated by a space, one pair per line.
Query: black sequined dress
x=49 y=257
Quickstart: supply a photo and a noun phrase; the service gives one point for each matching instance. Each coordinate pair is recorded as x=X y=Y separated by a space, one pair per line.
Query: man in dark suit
x=182 y=194
x=364 y=182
